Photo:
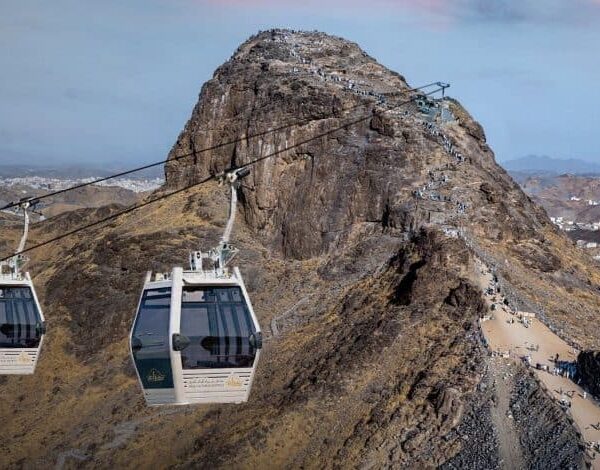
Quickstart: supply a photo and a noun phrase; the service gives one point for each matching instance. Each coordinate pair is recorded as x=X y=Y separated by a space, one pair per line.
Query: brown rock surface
x=588 y=369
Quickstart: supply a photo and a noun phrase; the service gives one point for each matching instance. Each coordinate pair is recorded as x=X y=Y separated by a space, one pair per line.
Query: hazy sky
x=113 y=82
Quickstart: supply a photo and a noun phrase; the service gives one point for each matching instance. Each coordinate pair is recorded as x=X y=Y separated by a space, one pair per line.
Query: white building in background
x=56 y=184
x=575 y=198
x=591 y=202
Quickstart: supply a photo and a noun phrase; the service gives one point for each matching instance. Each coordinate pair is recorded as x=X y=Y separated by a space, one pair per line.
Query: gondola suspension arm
x=233 y=178
x=224 y=252
x=24 y=207
x=14 y=264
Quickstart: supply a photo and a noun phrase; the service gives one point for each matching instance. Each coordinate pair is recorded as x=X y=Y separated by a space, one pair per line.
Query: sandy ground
x=519 y=341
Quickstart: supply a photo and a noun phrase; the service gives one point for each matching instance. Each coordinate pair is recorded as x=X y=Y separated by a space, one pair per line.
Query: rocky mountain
x=91 y=196
x=576 y=198
x=358 y=249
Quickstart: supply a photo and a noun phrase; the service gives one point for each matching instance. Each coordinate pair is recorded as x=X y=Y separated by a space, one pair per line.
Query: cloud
x=567 y=12
x=506 y=11
x=529 y=11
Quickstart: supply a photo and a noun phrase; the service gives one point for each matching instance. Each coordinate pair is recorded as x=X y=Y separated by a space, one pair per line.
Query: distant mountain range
x=544 y=164
x=74 y=171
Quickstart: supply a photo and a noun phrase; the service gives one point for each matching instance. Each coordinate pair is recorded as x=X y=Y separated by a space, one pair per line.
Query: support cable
x=200 y=151
x=209 y=178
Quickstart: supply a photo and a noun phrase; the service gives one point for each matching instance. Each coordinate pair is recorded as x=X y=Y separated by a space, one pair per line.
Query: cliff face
x=357 y=248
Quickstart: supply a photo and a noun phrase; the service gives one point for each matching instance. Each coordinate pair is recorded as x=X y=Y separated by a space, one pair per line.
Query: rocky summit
x=367 y=207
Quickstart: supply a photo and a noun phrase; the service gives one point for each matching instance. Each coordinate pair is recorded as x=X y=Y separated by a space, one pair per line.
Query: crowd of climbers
x=430 y=112
x=436 y=182
x=567 y=369
x=348 y=84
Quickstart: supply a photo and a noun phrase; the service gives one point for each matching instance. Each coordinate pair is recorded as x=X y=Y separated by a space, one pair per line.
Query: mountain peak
x=311 y=43
x=399 y=166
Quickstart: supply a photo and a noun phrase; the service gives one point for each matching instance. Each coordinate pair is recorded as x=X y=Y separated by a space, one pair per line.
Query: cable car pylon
x=196 y=338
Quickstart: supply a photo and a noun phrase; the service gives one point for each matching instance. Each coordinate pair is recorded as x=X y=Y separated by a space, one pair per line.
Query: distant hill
x=74 y=171
x=555 y=193
x=544 y=164
x=18 y=181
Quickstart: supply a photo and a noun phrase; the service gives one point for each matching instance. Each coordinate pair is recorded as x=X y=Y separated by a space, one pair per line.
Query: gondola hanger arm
x=233 y=178
x=224 y=252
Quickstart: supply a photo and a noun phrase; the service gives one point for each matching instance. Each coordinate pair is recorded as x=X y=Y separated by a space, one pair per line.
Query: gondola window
x=217 y=322
x=19 y=318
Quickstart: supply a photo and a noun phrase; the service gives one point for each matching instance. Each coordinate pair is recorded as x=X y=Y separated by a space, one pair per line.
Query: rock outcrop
x=588 y=370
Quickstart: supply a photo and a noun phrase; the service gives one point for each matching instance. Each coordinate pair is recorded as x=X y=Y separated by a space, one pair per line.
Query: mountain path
x=516 y=340
x=509 y=447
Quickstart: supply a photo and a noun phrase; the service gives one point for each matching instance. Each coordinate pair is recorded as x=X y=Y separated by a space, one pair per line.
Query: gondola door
x=150 y=344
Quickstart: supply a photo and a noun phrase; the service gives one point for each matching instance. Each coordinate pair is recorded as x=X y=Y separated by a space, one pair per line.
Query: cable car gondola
x=195 y=338
x=22 y=326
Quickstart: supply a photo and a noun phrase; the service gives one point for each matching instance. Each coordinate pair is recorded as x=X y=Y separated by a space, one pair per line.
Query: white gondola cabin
x=196 y=338
x=22 y=326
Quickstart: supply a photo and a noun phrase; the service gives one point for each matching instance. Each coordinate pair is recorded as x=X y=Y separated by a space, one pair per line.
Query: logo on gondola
x=23 y=359
x=233 y=381
x=155 y=376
